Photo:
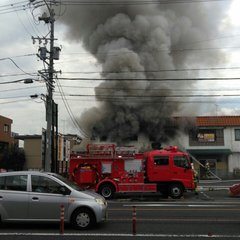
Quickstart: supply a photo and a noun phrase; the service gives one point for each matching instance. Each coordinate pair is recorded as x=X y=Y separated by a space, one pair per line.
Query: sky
x=218 y=35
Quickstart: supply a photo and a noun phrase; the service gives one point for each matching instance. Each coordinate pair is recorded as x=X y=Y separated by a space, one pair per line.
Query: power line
x=8 y=58
x=155 y=101
x=153 y=96
x=157 y=70
x=16 y=101
x=20 y=89
x=14 y=97
x=14 y=7
x=132 y=2
x=150 y=79
x=155 y=89
x=70 y=113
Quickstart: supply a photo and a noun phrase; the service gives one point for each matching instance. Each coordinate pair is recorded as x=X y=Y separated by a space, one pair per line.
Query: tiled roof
x=218 y=121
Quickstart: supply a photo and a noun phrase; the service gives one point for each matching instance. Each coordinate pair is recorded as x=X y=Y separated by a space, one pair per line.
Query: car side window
x=45 y=185
x=14 y=183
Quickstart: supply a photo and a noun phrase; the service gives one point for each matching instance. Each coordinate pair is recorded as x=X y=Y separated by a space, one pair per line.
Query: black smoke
x=137 y=45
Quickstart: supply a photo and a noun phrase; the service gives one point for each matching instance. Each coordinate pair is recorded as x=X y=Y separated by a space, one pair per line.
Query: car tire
x=83 y=218
x=106 y=190
x=175 y=190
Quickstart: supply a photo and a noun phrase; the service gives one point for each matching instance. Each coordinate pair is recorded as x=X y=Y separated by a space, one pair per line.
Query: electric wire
x=132 y=2
x=10 y=59
x=232 y=101
x=71 y=115
x=15 y=101
x=151 y=79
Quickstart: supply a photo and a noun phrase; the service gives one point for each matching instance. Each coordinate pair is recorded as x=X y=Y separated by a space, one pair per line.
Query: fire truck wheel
x=106 y=190
x=175 y=191
x=83 y=218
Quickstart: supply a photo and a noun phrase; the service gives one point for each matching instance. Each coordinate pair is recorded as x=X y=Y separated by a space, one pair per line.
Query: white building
x=215 y=140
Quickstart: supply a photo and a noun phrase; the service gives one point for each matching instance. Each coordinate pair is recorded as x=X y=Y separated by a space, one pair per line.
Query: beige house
x=34 y=148
x=33 y=151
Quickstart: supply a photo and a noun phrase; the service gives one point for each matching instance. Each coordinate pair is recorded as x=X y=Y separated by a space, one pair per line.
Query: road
x=211 y=214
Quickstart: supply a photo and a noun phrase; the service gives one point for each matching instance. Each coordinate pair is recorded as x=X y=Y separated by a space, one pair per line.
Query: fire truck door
x=182 y=170
x=160 y=170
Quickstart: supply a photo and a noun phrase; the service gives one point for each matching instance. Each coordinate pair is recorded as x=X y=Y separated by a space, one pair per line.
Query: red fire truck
x=108 y=169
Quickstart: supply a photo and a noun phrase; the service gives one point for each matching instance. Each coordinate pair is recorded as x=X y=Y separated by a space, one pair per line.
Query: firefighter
x=207 y=168
x=196 y=179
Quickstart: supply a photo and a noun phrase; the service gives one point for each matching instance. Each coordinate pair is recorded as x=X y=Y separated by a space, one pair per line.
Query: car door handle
x=35 y=198
x=1 y=197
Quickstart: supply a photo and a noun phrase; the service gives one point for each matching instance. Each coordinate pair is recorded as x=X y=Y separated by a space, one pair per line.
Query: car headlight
x=100 y=201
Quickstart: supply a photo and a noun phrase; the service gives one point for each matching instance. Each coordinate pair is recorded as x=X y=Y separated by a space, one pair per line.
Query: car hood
x=86 y=194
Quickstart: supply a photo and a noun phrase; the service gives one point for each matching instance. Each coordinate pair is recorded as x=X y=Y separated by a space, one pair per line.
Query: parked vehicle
x=234 y=190
x=107 y=169
x=37 y=196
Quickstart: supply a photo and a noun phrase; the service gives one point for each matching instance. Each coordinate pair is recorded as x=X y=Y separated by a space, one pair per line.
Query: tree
x=13 y=158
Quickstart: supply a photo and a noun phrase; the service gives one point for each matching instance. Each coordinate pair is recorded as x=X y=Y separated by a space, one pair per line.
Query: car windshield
x=68 y=182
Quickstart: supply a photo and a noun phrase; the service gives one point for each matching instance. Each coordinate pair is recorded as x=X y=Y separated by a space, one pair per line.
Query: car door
x=14 y=197
x=45 y=199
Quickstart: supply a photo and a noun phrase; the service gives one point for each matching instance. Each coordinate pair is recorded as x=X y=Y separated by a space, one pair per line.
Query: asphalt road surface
x=210 y=214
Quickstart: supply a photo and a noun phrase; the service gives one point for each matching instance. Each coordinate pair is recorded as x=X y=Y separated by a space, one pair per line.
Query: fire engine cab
x=109 y=169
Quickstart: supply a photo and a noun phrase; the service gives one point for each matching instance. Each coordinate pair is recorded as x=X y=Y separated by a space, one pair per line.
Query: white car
x=38 y=196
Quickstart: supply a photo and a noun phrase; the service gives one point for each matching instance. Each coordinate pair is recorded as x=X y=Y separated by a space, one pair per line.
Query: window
x=6 y=128
x=181 y=161
x=161 y=160
x=2 y=182
x=45 y=185
x=206 y=136
x=237 y=134
x=15 y=183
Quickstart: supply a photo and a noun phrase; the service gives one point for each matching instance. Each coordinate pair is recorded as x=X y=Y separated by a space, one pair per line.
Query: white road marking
x=181 y=205
x=125 y=235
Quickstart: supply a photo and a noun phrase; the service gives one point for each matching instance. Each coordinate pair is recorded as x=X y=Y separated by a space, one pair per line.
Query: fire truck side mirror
x=187 y=166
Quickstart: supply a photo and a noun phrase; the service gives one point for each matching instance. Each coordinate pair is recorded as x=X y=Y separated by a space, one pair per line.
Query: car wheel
x=175 y=191
x=83 y=218
x=107 y=191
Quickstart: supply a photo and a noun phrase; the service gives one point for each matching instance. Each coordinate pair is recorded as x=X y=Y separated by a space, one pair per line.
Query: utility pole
x=48 y=56
x=49 y=103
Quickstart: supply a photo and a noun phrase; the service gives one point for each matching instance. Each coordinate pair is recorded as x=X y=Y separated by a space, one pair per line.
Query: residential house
x=6 y=138
x=34 y=148
x=215 y=141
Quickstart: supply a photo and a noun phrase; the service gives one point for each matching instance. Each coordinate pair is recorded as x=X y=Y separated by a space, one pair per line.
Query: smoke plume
x=137 y=45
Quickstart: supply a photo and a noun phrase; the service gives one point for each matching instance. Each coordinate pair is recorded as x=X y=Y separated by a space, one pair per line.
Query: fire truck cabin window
x=161 y=160
x=181 y=161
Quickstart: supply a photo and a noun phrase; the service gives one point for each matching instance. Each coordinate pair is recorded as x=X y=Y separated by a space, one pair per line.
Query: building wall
x=5 y=132
x=32 y=148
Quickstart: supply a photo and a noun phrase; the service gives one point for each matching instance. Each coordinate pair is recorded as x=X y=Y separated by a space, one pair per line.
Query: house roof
x=218 y=121
x=24 y=137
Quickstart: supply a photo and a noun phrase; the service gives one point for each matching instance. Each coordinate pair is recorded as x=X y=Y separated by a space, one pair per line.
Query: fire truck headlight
x=100 y=201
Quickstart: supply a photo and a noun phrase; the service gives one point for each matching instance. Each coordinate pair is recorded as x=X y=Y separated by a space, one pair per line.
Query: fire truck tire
x=83 y=218
x=175 y=190
x=107 y=190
